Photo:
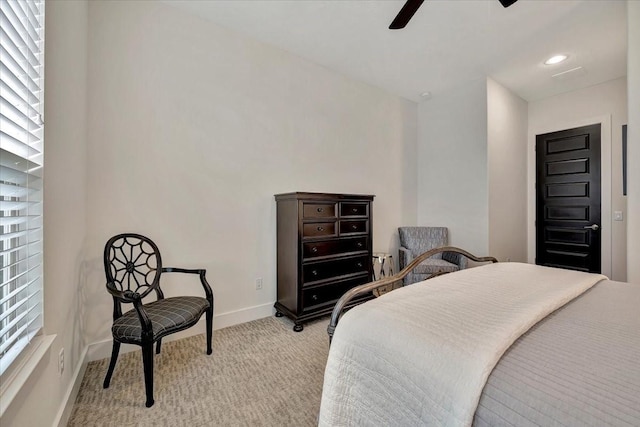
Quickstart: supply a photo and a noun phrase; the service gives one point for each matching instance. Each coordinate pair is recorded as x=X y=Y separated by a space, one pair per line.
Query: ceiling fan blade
x=407 y=12
x=507 y=3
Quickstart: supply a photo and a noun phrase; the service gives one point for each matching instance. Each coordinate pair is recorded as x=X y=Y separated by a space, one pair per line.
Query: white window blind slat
x=17 y=305
x=16 y=206
x=21 y=184
x=16 y=68
x=28 y=321
x=35 y=8
x=19 y=87
x=21 y=278
x=14 y=146
x=20 y=48
x=33 y=17
x=14 y=191
x=12 y=160
x=18 y=113
x=26 y=135
x=10 y=96
x=15 y=292
x=16 y=177
x=10 y=341
x=19 y=208
x=21 y=251
x=27 y=23
x=24 y=266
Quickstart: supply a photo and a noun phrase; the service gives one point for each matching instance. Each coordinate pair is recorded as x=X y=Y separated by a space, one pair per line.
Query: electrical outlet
x=61 y=361
x=259 y=284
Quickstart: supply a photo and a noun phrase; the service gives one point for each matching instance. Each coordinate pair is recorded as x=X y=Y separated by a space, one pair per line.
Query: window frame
x=21 y=180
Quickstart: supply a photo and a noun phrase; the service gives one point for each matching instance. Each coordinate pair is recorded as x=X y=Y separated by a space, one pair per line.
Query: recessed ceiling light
x=556 y=59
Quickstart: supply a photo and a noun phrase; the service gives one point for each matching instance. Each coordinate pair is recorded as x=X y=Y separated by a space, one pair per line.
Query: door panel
x=568 y=199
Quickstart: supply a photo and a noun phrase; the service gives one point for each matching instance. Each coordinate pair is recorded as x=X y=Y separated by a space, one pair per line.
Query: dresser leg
x=298 y=327
x=278 y=314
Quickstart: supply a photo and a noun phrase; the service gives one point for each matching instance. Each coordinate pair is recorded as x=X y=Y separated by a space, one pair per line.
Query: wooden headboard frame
x=371 y=286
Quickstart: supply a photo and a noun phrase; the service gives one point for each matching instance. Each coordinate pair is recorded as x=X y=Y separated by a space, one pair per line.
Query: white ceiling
x=446 y=43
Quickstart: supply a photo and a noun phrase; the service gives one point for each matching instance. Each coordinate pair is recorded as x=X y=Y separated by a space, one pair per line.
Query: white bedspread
x=421 y=355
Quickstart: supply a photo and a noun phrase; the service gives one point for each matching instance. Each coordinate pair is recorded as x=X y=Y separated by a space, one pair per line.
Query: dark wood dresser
x=324 y=249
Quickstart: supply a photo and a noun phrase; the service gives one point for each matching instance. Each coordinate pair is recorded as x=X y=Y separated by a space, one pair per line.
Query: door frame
x=605 y=184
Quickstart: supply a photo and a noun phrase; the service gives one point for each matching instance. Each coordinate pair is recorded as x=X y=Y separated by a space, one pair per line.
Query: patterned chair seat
x=432 y=266
x=167 y=315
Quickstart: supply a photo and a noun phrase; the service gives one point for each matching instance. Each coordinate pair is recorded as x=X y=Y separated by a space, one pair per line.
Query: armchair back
x=132 y=263
x=422 y=239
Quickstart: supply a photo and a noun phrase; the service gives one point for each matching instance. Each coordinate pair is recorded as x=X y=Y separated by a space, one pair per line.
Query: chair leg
x=158 y=346
x=147 y=362
x=209 y=329
x=112 y=363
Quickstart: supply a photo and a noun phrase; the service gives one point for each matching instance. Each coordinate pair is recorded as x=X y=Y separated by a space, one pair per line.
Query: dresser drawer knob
x=314 y=249
x=360 y=264
x=320 y=228
x=314 y=272
x=314 y=297
x=354 y=227
x=354 y=210
x=360 y=244
x=320 y=209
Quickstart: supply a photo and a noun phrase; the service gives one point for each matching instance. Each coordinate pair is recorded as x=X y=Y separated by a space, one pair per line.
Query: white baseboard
x=64 y=413
x=102 y=349
x=231 y=318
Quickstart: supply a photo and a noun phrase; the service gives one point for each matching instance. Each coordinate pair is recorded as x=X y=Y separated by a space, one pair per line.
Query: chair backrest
x=421 y=239
x=132 y=262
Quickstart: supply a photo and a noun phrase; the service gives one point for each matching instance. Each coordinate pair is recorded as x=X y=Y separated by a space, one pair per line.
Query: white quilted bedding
x=421 y=355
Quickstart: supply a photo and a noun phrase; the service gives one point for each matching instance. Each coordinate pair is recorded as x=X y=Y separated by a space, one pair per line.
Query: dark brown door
x=568 y=199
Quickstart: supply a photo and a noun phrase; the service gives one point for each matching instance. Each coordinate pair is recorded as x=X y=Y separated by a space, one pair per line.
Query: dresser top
x=322 y=196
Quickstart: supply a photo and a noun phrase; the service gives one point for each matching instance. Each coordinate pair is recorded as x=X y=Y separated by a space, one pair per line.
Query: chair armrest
x=455 y=258
x=405 y=257
x=203 y=279
x=462 y=262
x=182 y=270
x=131 y=298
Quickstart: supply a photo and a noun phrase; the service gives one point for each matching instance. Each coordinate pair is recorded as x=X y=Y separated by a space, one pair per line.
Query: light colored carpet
x=261 y=373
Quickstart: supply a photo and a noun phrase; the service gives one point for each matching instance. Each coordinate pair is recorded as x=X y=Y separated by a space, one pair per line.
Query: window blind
x=21 y=167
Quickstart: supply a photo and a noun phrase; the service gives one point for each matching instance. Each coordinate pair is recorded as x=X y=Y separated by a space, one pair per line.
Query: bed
x=499 y=344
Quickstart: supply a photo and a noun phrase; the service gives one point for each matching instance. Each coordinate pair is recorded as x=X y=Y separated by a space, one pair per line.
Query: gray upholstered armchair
x=417 y=240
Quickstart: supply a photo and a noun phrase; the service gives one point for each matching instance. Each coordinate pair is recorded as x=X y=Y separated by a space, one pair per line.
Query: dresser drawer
x=329 y=294
x=353 y=209
x=319 y=229
x=322 y=270
x=354 y=226
x=318 y=210
x=333 y=247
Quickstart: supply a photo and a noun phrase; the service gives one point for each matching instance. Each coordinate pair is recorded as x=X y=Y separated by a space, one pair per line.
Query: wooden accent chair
x=133 y=267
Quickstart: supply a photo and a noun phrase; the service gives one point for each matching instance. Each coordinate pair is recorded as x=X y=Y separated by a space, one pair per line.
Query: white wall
x=193 y=129
x=472 y=168
x=507 y=173
x=185 y=132
x=65 y=135
x=633 y=143
x=452 y=159
x=605 y=103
